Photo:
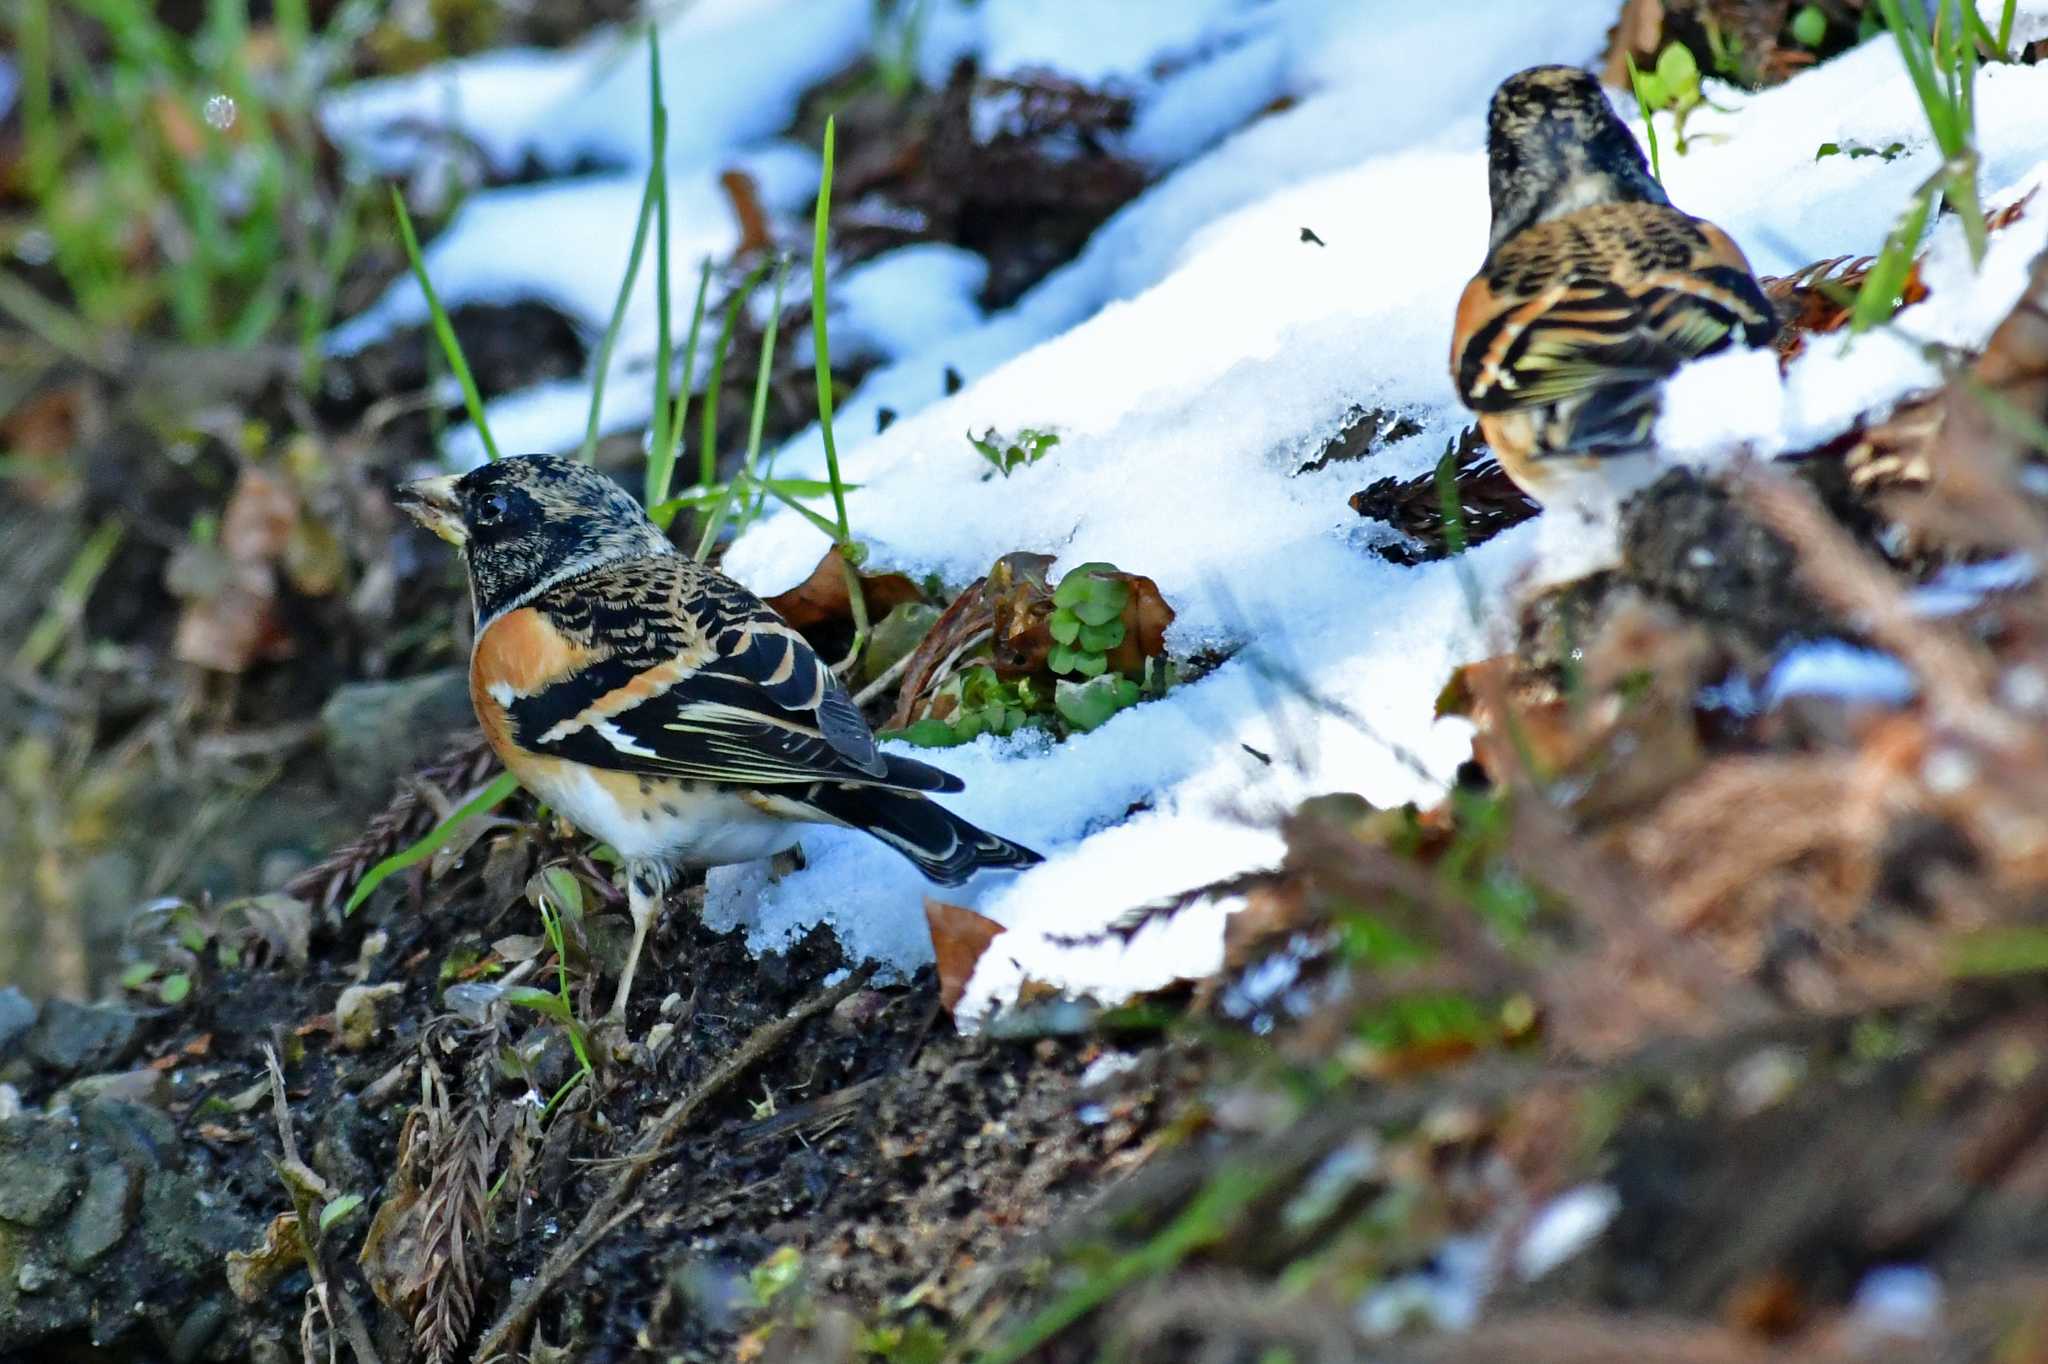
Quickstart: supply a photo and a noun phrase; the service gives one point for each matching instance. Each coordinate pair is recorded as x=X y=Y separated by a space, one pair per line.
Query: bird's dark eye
x=491 y=507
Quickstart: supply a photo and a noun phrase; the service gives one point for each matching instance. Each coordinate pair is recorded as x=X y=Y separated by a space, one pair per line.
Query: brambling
x=1594 y=289
x=657 y=703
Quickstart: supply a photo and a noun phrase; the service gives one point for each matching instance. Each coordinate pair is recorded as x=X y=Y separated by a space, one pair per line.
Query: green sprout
x=1005 y=454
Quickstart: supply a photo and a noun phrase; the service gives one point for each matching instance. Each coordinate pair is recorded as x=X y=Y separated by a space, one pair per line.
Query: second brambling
x=657 y=703
x=1594 y=289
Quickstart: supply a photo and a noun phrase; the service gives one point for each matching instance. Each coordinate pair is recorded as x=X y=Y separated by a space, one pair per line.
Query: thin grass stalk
x=444 y=330
x=819 y=343
x=716 y=521
x=588 y=451
x=1635 y=82
x=714 y=385
x=849 y=552
x=660 y=451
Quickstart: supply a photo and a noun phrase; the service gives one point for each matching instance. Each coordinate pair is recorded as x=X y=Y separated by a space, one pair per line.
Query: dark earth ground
x=1755 y=972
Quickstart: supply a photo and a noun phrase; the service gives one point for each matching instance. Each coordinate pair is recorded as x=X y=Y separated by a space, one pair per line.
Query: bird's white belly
x=692 y=826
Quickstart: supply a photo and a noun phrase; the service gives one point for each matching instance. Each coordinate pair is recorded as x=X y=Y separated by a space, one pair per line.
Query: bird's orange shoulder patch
x=1476 y=307
x=517 y=655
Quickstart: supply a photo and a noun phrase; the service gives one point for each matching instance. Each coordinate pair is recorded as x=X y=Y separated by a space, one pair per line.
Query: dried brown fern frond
x=451 y=1233
x=463 y=766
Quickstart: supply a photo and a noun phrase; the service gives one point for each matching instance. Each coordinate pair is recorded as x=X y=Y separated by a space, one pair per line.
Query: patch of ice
x=1445 y=1296
x=1964 y=587
x=1897 y=1300
x=1839 y=671
x=1106 y=1067
x=1564 y=1227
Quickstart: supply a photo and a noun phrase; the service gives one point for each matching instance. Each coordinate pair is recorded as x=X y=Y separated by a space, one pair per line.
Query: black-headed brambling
x=1594 y=289
x=658 y=704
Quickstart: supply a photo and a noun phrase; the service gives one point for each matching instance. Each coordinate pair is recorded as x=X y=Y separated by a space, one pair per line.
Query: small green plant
x=178 y=941
x=558 y=895
x=977 y=703
x=1672 y=84
x=1091 y=668
x=1087 y=620
x=1857 y=151
x=1809 y=26
x=1005 y=454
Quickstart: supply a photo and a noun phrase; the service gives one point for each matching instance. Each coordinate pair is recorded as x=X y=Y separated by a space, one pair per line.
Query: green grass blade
x=1635 y=81
x=67 y=603
x=588 y=452
x=714 y=385
x=486 y=800
x=444 y=330
x=660 y=450
x=1878 y=299
x=762 y=372
x=661 y=471
x=818 y=339
x=775 y=488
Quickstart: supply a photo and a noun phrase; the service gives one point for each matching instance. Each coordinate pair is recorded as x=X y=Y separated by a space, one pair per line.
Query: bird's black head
x=1554 y=145
x=528 y=522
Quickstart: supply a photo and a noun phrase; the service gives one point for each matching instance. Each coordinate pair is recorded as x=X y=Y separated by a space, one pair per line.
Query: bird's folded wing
x=1596 y=321
x=682 y=675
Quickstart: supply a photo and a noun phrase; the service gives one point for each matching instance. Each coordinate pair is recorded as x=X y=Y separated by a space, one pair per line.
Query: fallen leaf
x=251 y=1273
x=261 y=512
x=821 y=598
x=959 y=937
x=1146 y=616
x=230 y=619
x=1020 y=607
x=745 y=197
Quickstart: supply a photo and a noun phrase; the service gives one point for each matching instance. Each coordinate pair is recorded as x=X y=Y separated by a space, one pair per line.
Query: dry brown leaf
x=821 y=598
x=251 y=1273
x=1020 y=607
x=1146 y=616
x=745 y=197
x=959 y=938
x=230 y=618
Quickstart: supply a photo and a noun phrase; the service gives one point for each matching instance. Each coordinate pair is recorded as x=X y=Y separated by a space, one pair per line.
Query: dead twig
x=611 y=1208
x=301 y=1183
x=1954 y=679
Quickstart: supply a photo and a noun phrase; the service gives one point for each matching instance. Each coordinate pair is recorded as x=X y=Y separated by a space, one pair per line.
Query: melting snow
x=1191 y=357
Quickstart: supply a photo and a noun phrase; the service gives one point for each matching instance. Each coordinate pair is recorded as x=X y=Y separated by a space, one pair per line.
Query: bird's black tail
x=945 y=847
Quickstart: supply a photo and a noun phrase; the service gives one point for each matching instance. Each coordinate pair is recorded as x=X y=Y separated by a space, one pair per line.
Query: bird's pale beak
x=432 y=502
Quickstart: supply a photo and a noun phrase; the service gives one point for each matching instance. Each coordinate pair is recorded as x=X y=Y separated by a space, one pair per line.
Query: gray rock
x=33 y=1276
x=84 y=1037
x=377 y=731
x=141 y=1134
x=103 y=1216
x=38 y=1172
x=197 y=1331
x=17 y=1016
x=143 y=1086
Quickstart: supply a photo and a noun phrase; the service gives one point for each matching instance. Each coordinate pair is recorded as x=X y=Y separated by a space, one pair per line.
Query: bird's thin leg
x=644 y=884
